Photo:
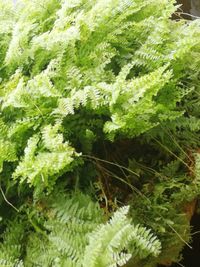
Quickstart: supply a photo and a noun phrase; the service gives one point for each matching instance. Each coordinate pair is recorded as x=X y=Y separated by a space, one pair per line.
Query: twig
x=180 y=264
x=172 y=153
x=7 y=201
x=190 y=15
x=111 y=163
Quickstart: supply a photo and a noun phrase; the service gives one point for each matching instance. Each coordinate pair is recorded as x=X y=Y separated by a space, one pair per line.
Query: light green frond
x=39 y=165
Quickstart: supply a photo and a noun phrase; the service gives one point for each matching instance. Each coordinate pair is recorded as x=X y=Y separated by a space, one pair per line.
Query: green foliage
x=77 y=76
x=74 y=234
x=54 y=157
x=11 y=247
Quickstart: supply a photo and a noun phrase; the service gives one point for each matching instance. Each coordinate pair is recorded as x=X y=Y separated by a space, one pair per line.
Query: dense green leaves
x=74 y=76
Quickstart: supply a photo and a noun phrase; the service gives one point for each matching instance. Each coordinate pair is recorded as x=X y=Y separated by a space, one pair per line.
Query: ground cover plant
x=99 y=132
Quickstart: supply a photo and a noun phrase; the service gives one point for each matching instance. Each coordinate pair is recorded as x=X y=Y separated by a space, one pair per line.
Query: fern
x=11 y=248
x=111 y=239
x=81 y=80
x=74 y=233
x=36 y=166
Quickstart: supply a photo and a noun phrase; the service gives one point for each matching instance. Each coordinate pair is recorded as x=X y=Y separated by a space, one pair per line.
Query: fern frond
x=38 y=167
x=111 y=240
x=11 y=247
